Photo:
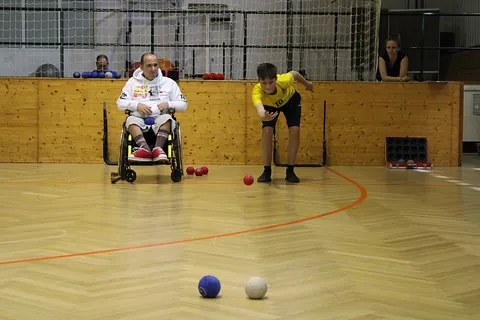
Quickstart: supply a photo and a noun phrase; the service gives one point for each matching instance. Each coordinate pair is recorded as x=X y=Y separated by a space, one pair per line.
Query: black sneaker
x=265 y=177
x=291 y=177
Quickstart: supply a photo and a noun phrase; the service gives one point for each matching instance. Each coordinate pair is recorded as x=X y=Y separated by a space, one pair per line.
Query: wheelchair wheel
x=178 y=150
x=130 y=175
x=176 y=175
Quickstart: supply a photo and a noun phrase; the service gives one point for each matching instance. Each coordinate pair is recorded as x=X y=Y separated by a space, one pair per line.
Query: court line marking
x=475 y=188
x=369 y=257
x=362 y=197
x=61 y=235
x=41 y=194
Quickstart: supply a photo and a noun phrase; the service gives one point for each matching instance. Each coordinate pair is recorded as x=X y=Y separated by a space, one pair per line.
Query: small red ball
x=190 y=170
x=205 y=170
x=198 y=172
x=248 y=180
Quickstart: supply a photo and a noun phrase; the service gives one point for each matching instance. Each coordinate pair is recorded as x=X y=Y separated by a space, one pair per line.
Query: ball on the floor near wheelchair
x=248 y=179
x=204 y=170
x=198 y=172
x=209 y=286
x=256 y=288
x=190 y=170
x=149 y=121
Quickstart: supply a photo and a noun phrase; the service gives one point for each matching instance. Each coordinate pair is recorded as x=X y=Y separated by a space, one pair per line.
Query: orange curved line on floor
x=361 y=198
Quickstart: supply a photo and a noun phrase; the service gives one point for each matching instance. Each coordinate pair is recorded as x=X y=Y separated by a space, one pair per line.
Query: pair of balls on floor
x=209 y=287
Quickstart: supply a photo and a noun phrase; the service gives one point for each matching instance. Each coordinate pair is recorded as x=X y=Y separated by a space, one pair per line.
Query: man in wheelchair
x=151 y=98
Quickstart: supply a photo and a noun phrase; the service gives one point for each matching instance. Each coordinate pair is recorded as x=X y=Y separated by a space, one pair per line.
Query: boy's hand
x=269 y=116
x=309 y=86
x=144 y=109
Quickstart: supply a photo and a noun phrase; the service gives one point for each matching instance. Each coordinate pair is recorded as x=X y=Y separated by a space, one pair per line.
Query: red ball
x=220 y=76
x=248 y=180
x=206 y=76
x=190 y=170
x=198 y=172
x=213 y=76
x=205 y=170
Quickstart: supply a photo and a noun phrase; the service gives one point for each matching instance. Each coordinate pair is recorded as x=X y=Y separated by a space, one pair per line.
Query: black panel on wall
x=409 y=28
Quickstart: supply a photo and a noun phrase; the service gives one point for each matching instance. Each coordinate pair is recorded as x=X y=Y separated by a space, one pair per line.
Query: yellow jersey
x=284 y=91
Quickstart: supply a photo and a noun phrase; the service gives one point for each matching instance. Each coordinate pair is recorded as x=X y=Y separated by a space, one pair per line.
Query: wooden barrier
x=61 y=120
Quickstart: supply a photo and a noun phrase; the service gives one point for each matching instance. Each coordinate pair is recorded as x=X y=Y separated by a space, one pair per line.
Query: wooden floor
x=346 y=243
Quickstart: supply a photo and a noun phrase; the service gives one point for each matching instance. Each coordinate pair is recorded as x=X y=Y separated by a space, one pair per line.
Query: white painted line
x=368 y=257
x=463 y=184
x=443 y=177
x=475 y=188
x=41 y=194
x=74 y=179
x=476 y=168
x=454 y=181
x=63 y=234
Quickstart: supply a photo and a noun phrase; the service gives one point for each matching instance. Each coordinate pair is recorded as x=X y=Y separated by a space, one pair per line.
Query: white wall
x=471 y=122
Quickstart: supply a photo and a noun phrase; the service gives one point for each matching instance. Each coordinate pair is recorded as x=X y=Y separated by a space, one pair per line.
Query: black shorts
x=292 y=111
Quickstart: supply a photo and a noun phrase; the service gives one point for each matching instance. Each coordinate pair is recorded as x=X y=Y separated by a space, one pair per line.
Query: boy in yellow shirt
x=273 y=94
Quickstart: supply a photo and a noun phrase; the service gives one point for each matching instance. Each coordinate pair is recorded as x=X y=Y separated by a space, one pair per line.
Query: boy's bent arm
x=260 y=110
x=299 y=78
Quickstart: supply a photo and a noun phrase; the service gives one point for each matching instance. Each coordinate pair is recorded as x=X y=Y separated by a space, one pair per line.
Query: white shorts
x=159 y=121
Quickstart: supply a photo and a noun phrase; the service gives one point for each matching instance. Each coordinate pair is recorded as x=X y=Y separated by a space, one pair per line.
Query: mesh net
x=325 y=39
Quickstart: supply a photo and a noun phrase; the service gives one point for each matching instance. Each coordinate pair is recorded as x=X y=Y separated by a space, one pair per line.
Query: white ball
x=256 y=288
x=108 y=74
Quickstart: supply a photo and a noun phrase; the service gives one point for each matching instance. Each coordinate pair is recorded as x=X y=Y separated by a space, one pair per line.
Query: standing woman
x=393 y=62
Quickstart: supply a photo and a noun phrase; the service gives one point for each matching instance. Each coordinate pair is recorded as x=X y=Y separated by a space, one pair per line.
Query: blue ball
x=76 y=74
x=149 y=121
x=116 y=75
x=86 y=74
x=94 y=74
x=209 y=286
x=101 y=74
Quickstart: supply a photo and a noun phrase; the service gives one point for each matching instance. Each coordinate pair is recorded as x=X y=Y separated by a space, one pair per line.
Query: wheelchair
x=173 y=149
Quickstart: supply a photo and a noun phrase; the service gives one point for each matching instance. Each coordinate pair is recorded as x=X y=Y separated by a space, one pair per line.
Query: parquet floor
x=346 y=243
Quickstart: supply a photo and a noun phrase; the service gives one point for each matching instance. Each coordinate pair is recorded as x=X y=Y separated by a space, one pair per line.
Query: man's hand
x=309 y=86
x=144 y=109
x=269 y=116
x=163 y=107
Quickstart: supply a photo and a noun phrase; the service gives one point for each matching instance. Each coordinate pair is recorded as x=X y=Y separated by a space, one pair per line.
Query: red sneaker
x=159 y=155
x=140 y=155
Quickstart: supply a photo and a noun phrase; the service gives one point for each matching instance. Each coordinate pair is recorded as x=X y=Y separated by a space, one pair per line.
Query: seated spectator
x=102 y=63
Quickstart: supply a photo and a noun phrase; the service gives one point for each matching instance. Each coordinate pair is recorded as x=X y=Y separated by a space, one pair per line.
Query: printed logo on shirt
x=140 y=91
x=153 y=91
